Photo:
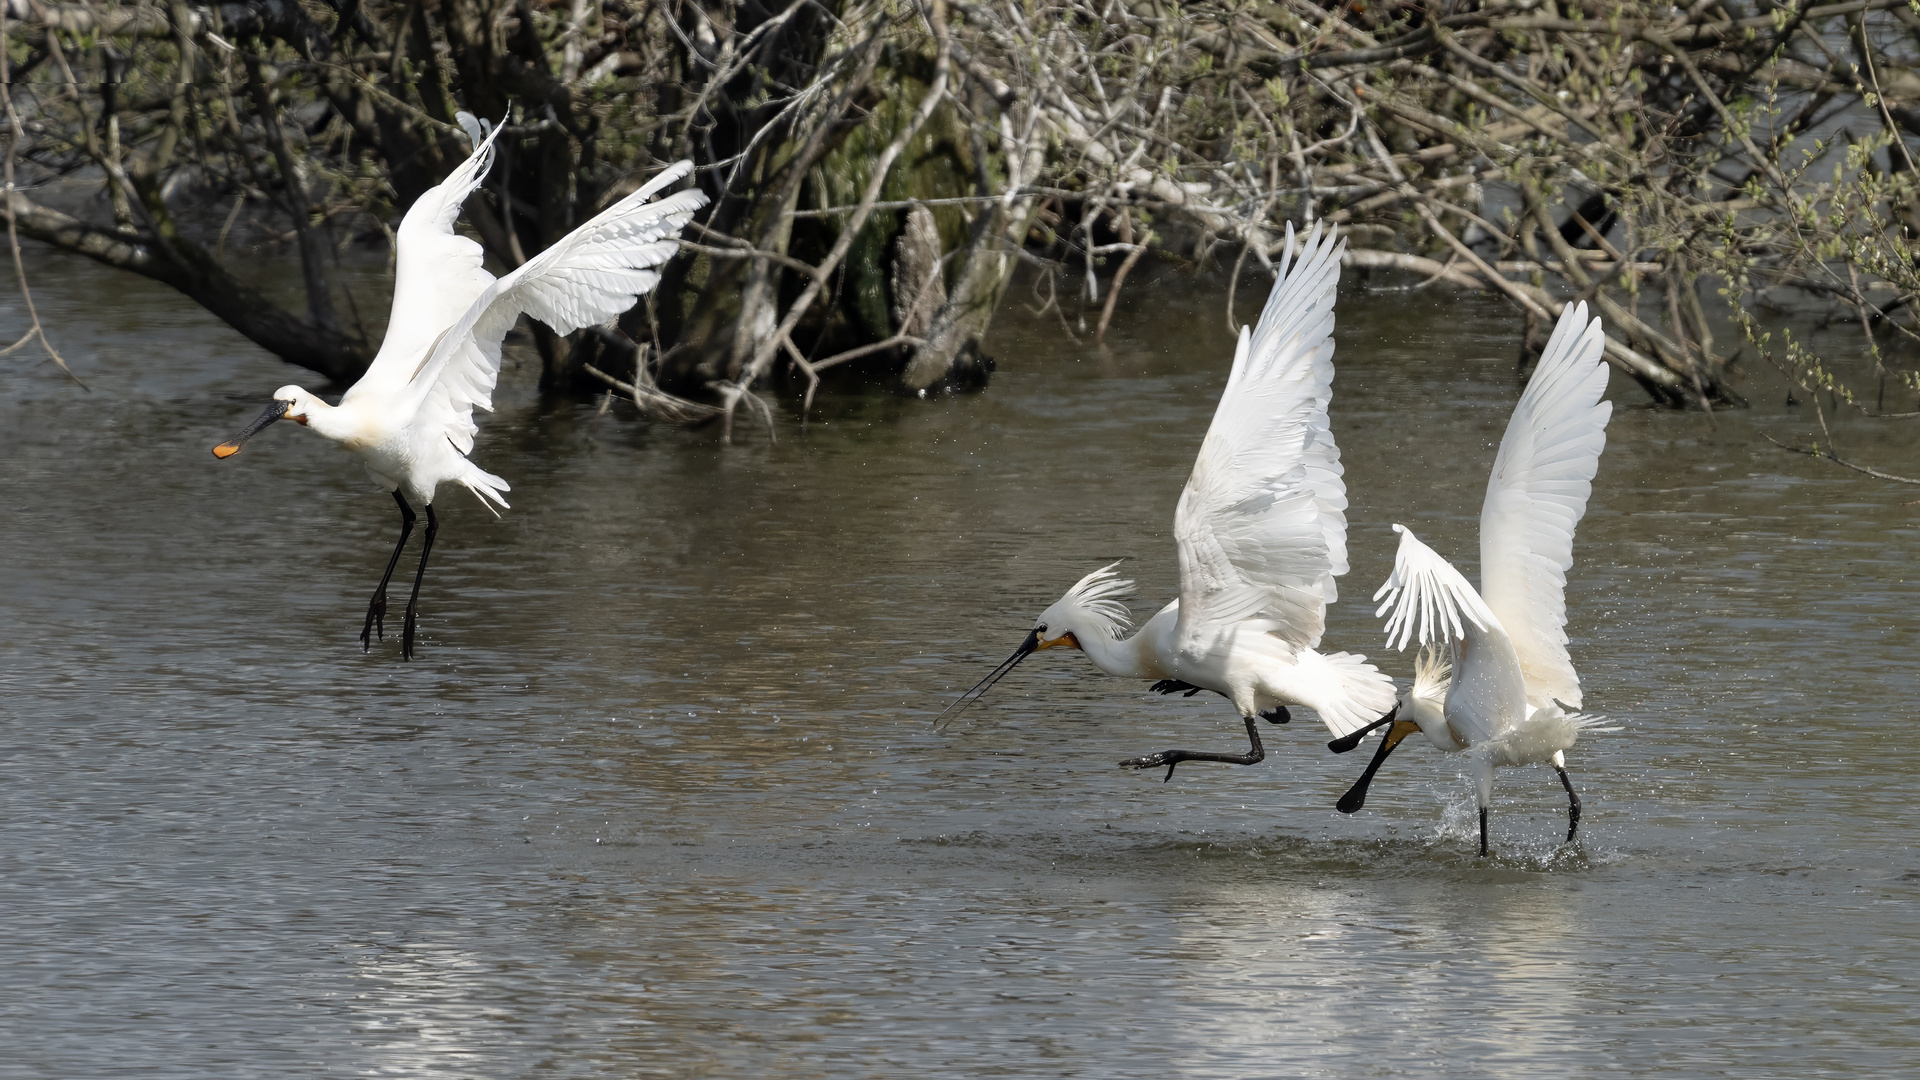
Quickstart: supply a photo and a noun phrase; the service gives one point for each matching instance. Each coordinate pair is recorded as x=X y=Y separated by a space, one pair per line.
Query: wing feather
x=1432 y=603
x=437 y=273
x=592 y=275
x=1536 y=496
x=1261 y=525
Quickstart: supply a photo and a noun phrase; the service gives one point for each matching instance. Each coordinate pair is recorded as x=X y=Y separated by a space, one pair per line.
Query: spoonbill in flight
x=1510 y=695
x=410 y=417
x=1261 y=532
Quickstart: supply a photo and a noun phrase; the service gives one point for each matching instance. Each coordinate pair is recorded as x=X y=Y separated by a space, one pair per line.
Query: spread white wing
x=1537 y=494
x=593 y=274
x=437 y=272
x=1261 y=526
x=1432 y=603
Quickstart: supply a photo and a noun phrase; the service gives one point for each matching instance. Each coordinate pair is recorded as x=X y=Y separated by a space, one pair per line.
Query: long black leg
x=413 y=602
x=377 y=609
x=1483 y=832
x=1170 y=758
x=1356 y=796
x=1573 y=803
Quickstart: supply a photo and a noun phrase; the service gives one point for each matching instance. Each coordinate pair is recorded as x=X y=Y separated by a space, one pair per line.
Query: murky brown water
x=661 y=798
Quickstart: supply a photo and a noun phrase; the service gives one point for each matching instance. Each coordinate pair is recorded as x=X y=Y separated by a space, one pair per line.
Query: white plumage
x=1261 y=525
x=1513 y=697
x=410 y=417
x=1261 y=536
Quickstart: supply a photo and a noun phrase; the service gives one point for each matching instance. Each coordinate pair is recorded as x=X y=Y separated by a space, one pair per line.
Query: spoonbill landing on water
x=410 y=417
x=1510 y=695
x=1261 y=531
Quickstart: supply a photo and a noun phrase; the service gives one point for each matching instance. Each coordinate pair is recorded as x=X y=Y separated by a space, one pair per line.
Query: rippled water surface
x=661 y=796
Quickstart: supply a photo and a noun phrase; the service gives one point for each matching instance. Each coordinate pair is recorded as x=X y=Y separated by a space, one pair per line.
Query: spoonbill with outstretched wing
x=410 y=417
x=1510 y=695
x=1261 y=531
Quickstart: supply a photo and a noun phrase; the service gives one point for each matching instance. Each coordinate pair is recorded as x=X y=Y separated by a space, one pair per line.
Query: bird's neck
x=1129 y=658
x=338 y=424
x=1432 y=718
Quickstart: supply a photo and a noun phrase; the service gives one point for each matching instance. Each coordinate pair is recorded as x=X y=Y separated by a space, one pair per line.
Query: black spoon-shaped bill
x=1028 y=646
x=1356 y=796
x=1346 y=744
x=232 y=446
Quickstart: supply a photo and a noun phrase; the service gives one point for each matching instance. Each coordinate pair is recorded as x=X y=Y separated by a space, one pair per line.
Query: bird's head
x=1091 y=610
x=299 y=403
x=289 y=403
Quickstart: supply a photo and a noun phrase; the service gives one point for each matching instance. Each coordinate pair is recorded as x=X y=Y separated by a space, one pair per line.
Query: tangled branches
x=1633 y=155
x=879 y=168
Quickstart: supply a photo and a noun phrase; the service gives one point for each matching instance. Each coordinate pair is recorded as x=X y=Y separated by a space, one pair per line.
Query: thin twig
x=13 y=235
x=1816 y=452
x=1120 y=276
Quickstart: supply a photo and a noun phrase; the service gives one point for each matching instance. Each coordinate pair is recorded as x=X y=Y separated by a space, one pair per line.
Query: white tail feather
x=486 y=487
x=1356 y=694
x=1591 y=722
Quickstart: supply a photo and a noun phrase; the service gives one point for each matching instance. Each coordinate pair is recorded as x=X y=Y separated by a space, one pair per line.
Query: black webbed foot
x=1173 y=686
x=1170 y=758
x=406 y=634
x=1277 y=715
x=375 y=628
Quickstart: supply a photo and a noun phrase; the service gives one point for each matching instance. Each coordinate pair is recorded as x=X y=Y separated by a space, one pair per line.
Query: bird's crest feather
x=1432 y=675
x=1099 y=595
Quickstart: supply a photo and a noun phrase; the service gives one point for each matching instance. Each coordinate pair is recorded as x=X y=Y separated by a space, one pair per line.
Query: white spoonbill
x=1511 y=696
x=410 y=417
x=1261 y=531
